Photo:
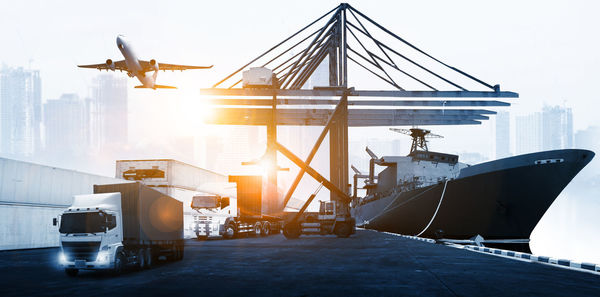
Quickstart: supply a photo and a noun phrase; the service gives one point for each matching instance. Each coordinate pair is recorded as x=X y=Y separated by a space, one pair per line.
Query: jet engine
x=154 y=65
x=110 y=64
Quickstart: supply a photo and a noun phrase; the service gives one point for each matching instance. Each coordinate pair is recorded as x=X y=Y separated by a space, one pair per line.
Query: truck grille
x=81 y=250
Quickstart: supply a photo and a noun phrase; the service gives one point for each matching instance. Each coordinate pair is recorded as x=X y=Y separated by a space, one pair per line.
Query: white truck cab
x=91 y=232
x=213 y=212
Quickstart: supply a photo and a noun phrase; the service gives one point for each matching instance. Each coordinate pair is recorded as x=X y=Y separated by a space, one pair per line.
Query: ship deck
x=367 y=264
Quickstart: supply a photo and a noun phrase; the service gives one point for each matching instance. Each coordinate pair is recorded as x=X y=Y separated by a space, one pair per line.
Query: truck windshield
x=205 y=202
x=83 y=222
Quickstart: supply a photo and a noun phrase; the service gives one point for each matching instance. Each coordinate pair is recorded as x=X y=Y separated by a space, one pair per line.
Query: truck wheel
x=230 y=231
x=257 y=229
x=266 y=229
x=149 y=257
x=291 y=230
x=119 y=263
x=72 y=272
x=141 y=258
x=181 y=249
x=174 y=255
x=343 y=230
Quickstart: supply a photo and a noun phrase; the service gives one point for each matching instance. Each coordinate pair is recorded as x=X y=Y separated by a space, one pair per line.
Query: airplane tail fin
x=156 y=87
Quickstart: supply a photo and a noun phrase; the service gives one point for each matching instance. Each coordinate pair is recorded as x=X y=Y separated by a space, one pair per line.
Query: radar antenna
x=418 y=137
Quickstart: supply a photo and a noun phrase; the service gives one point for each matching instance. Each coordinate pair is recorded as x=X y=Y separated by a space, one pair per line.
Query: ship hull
x=503 y=199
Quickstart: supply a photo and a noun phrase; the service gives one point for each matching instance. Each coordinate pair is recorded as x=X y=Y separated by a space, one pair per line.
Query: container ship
x=432 y=194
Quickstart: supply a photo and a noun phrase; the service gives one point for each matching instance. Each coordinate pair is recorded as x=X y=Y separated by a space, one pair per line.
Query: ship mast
x=418 y=137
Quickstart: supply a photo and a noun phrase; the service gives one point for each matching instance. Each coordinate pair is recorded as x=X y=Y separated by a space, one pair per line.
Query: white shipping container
x=26 y=227
x=167 y=172
x=257 y=77
x=31 y=195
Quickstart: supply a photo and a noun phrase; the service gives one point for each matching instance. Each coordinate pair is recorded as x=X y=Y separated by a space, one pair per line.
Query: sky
x=547 y=51
x=544 y=50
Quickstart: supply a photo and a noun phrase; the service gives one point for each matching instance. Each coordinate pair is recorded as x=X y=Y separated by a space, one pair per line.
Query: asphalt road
x=367 y=264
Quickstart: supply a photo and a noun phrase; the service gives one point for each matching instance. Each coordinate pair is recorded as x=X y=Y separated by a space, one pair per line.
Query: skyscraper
x=502 y=134
x=528 y=130
x=108 y=109
x=20 y=111
x=66 y=123
x=590 y=139
x=550 y=129
x=236 y=144
x=557 y=128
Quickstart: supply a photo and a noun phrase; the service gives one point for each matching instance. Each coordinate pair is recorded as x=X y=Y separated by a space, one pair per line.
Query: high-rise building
x=237 y=144
x=590 y=139
x=108 y=110
x=557 y=128
x=502 y=134
x=550 y=129
x=528 y=133
x=66 y=125
x=20 y=111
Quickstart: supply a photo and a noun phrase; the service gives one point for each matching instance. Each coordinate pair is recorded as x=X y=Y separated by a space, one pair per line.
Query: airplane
x=139 y=68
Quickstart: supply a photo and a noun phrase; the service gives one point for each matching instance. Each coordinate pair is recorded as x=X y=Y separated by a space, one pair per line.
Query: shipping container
x=249 y=194
x=148 y=215
x=31 y=195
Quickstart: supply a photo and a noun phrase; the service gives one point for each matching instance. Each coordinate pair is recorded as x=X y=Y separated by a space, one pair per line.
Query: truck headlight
x=103 y=257
x=62 y=258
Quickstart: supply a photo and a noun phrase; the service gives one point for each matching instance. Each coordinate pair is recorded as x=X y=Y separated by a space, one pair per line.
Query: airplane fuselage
x=133 y=64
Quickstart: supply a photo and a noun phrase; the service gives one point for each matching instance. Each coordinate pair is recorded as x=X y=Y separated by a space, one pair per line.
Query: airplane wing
x=118 y=65
x=164 y=66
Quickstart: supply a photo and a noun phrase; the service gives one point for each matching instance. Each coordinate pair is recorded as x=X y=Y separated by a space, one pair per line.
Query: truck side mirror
x=54 y=222
x=224 y=202
x=111 y=222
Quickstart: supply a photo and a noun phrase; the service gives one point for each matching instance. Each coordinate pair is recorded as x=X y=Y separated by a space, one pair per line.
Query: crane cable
x=436 y=210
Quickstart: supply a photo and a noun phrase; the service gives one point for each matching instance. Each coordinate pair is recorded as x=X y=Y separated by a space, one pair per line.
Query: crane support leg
x=312 y=172
x=313 y=151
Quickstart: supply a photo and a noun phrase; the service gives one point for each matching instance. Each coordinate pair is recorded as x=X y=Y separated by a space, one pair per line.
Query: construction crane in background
x=418 y=137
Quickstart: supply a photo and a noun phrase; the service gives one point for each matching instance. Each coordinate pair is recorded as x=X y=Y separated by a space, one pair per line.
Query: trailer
x=232 y=217
x=120 y=225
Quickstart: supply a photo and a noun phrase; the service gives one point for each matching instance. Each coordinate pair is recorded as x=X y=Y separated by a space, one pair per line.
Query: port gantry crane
x=345 y=36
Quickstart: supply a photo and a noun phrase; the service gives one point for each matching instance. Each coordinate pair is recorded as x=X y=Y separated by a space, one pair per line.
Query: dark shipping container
x=148 y=215
x=249 y=194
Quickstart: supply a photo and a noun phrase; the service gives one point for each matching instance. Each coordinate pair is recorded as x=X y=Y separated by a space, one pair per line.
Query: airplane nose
x=120 y=41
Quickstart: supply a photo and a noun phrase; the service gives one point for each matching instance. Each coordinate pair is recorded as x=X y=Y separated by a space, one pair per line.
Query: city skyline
x=107 y=116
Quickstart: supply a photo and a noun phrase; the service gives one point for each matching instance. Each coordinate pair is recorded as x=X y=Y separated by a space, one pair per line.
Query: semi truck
x=120 y=225
x=231 y=217
x=326 y=221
